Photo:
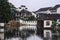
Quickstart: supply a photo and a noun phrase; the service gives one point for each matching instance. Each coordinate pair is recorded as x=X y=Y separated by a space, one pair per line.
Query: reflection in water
x=25 y=33
x=32 y=37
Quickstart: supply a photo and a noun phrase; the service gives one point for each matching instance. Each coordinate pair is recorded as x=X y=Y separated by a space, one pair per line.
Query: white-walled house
x=49 y=10
x=2 y=30
x=23 y=13
x=44 y=24
x=45 y=18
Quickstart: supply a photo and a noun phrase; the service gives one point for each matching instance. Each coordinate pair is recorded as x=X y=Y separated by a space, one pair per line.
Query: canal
x=24 y=33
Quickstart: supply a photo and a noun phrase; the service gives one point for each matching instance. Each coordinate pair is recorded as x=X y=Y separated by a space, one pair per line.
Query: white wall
x=50 y=33
x=58 y=10
x=48 y=12
x=50 y=23
x=1 y=24
x=1 y=30
x=58 y=22
x=34 y=14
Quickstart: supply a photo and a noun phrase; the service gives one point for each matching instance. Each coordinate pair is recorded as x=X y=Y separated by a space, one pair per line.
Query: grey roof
x=44 y=9
x=48 y=16
x=25 y=11
x=55 y=7
x=48 y=8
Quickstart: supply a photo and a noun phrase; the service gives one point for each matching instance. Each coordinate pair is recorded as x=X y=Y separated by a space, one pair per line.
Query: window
x=19 y=7
x=47 y=23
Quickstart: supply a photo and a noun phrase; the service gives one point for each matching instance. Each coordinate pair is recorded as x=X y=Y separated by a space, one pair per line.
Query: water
x=32 y=37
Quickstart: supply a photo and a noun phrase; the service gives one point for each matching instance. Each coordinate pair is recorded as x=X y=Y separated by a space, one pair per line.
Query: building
x=25 y=17
x=22 y=13
x=2 y=31
x=45 y=18
x=49 y=10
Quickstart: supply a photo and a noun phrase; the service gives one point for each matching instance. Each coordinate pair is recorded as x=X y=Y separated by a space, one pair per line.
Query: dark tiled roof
x=48 y=8
x=49 y=16
x=55 y=7
x=44 y=9
x=25 y=11
x=23 y=6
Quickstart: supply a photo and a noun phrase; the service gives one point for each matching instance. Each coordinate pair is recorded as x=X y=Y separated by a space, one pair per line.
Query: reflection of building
x=45 y=18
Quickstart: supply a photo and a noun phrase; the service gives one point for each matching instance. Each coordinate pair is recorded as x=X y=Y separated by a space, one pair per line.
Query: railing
x=28 y=22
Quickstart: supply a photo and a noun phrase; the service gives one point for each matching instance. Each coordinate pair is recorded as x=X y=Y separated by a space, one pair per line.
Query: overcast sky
x=34 y=5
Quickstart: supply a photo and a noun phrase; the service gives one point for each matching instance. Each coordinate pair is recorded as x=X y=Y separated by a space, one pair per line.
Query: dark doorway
x=40 y=28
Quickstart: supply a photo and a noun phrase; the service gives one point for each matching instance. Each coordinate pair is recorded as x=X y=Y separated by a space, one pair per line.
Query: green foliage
x=5 y=11
x=54 y=26
x=54 y=23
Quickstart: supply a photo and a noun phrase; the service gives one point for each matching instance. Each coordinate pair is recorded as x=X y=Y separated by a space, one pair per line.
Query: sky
x=34 y=5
